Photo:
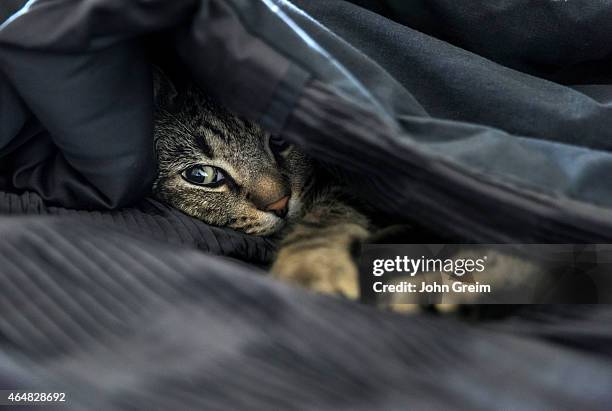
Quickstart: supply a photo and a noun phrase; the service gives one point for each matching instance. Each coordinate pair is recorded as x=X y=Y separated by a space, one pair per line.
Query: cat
x=229 y=172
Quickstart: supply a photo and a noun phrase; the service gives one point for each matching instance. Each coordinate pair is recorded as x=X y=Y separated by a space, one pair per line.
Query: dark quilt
x=120 y=322
x=488 y=121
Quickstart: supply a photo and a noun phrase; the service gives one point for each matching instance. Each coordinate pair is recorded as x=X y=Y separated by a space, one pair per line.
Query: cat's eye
x=204 y=175
x=278 y=144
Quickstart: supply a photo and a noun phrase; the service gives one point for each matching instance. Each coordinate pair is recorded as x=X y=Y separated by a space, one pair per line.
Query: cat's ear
x=164 y=92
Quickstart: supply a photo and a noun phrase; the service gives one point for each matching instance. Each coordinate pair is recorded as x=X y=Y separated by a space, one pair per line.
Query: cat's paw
x=324 y=269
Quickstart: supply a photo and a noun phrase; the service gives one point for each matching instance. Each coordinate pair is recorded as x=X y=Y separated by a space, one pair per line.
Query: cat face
x=225 y=170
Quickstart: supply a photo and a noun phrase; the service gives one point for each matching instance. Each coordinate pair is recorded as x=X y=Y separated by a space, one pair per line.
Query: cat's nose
x=279 y=207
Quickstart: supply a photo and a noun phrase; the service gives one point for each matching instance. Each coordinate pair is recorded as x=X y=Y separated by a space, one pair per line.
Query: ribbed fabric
x=153 y=220
x=127 y=323
x=398 y=179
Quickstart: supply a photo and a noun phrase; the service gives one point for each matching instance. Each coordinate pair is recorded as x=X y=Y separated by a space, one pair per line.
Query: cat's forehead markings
x=204 y=147
x=214 y=126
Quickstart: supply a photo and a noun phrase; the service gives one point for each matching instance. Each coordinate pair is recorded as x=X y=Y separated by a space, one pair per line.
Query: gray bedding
x=469 y=132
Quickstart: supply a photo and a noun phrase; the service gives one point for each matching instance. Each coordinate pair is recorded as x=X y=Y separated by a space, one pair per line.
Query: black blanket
x=487 y=122
x=120 y=322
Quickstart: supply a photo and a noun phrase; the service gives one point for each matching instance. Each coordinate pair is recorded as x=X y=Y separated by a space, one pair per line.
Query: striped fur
x=318 y=233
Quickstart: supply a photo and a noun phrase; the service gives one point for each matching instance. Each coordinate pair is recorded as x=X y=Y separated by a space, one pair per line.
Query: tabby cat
x=229 y=172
